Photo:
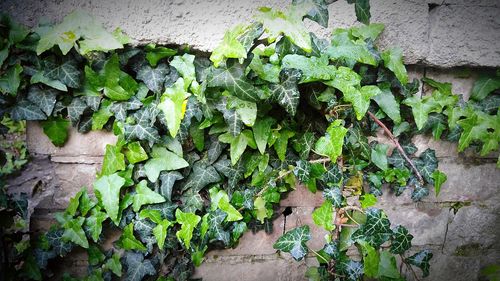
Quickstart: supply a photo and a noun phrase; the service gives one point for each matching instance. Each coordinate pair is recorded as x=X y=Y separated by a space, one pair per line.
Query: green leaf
x=144 y=195
x=334 y=195
x=261 y=131
x=185 y=66
x=201 y=176
x=168 y=180
x=368 y=200
x=238 y=145
x=379 y=156
x=344 y=48
x=233 y=79
x=172 y=104
x=160 y=232
x=44 y=99
x=286 y=92
x=370 y=31
x=361 y=99
x=135 y=153
x=444 y=88
x=69 y=73
x=294 y=242
x=484 y=86
x=101 y=117
x=57 y=130
x=94 y=223
x=143 y=129
x=73 y=232
x=323 y=216
x=439 y=178
x=162 y=160
x=25 y=110
x=331 y=144
x=302 y=170
x=230 y=47
x=401 y=240
x=188 y=223
x=153 y=77
x=138 y=267
x=74 y=26
x=40 y=77
x=371 y=259
x=289 y=23
x=266 y=71
x=421 y=107
x=86 y=203
x=113 y=160
x=10 y=80
x=75 y=110
x=362 y=8
x=317 y=10
x=313 y=68
x=387 y=266
x=155 y=54
x=232 y=213
x=128 y=241
x=281 y=143
x=260 y=208
x=118 y=85
x=393 y=59
x=385 y=99
x=114 y=265
x=421 y=260
x=107 y=190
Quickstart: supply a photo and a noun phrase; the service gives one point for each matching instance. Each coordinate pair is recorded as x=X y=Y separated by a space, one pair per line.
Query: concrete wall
x=437 y=37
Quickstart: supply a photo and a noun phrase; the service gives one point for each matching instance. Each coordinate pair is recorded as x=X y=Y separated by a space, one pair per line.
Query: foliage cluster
x=207 y=148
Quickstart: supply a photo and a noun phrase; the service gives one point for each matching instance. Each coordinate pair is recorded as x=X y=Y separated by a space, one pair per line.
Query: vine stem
x=398 y=146
x=318 y=255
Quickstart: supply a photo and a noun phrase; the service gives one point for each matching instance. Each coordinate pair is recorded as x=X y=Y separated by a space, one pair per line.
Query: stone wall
x=440 y=40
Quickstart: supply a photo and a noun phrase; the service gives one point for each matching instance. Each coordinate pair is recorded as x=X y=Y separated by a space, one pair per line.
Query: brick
x=302 y=197
x=90 y=144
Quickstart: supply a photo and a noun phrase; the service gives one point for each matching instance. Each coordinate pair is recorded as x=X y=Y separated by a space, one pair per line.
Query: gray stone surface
x=453 y=33
x=90 y=144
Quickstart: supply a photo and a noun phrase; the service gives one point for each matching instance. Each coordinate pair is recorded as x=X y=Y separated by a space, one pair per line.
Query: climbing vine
x=207 y=147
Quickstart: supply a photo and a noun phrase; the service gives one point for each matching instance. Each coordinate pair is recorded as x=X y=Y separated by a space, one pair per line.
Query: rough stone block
x=461 y=84
x=464 y=35
x=302 y=197
x=261 y=243
x=445 y=267
x=90 y=144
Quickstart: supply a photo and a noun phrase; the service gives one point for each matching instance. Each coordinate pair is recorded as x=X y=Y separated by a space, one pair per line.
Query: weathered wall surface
x=437 y=36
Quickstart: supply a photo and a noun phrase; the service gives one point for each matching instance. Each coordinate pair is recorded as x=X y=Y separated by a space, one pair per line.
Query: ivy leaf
x=361 y=99
x=385 y=99
x=60 y=247
x=10 y=80
x=94 y=223
x=370 y=31
x=288 y=23
x=153 y=77
x=421 y=260
x=294 y=242
x=173 y=103
x=331 y=144
x=155 y=54
x=75 y=110
x=57 y=130
x=188 y=223
x=128 y=241
x=317 y=10
x=419 y=192
x=73 y=232
x=439 y=178
x=266 y=71
x=25 y=110
x=113 y=160
x=302 y=170
x=237 y=144
x=376 y=230
x=167 y=183
x=233 y=173
x=233 y=79
x=137 y=267
x=185 y=66
x=388 y=266
x=44 y=99
x=379 y=156
x=40 y=77
x=371 y=259
x=362 y=8
x=233 y=120
x=145 y=196
x=230 y=47
x=426 y=164
x=246 y=110
x=393 y=59
x=334 y=195
x=260 y=207
x=42 y=257
x=68 y=73
x=401 y=240
x=160 y=232
x=114 y=265
x=483 y=86
x=304 y=144
x=333 y=176
x=143 y=129
x=201 y=176
x=281 y=143
x=367 y=200
x=107 y=190
x=312 y=68
x=344 y=48
x=323 y=216
x=162 y=160
x=118 y=85
x=286 y=93
x=261 y=131
x=135 y=153
x=86 y=203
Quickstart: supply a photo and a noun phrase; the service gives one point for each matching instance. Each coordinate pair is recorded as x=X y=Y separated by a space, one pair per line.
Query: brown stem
x=398 y=146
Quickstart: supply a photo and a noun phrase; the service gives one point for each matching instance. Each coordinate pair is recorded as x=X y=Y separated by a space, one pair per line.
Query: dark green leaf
x=401 y=240
x=286 y=92
x=294 y=242
x=137 y=267
x=57 y=130
x=421 y=260
x=43 y=98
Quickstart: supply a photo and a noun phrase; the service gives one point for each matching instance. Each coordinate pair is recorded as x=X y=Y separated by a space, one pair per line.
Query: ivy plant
x=208 y=145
